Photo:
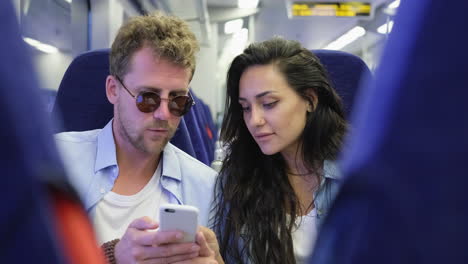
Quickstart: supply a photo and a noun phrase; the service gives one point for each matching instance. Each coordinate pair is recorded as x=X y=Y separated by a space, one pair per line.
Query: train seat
x=404 y=196
x=37 y=201
x=346 y=72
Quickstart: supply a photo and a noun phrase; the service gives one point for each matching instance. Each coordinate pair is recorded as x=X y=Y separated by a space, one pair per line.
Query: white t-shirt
x=304 y=236
x=114 y=213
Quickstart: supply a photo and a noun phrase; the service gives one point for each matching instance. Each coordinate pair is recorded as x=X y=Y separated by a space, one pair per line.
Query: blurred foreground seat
x=41 y=219
x=404 y=196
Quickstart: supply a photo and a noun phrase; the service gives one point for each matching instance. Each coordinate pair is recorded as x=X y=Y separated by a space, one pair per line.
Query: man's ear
x=313 y=100
x=111 y=89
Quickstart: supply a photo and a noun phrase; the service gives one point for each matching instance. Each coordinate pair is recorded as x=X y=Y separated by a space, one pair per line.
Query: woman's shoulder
x=330 y=184
x=331 y=170
x=329 y=188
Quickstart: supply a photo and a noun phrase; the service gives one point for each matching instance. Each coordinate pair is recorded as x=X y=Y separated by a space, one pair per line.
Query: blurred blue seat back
x=182 y=139
x=213 y=129
x=196 y=135
x=347 y=72
x=81 y=100
x=28 y=159
x=204 y=126
x=404 y=197
x=82 y=104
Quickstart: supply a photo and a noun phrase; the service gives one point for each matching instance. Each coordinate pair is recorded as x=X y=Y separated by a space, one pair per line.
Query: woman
x=283 y=126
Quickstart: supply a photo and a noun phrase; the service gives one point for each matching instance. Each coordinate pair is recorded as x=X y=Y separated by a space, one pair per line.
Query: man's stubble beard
x=138 y=140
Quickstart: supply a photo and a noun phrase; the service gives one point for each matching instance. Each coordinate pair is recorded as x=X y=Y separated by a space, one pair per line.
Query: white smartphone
x=179 y=217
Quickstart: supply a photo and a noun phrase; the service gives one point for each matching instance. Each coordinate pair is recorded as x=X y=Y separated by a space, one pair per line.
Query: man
x=126 y=170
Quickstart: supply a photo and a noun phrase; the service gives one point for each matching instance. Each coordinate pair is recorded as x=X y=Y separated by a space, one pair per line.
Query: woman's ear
x=313 y=100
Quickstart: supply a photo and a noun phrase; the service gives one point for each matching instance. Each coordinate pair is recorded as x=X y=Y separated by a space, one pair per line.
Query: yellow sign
x=338 y=9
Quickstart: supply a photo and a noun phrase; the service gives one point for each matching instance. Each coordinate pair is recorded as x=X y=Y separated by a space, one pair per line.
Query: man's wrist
x=109 y=250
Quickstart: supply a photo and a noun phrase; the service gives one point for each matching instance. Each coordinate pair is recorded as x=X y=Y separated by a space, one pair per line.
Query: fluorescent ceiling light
x=247 y=3
x=40 y=46
x=233 y=26
x=394 y=4
x=346 y=38
x=68 y=1
x=383 y=28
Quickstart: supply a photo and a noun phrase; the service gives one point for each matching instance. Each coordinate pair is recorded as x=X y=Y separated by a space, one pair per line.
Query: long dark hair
x=253 y=194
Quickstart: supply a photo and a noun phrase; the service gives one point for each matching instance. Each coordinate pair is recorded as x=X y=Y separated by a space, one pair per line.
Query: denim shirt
x=91 y=162
x=326 y=194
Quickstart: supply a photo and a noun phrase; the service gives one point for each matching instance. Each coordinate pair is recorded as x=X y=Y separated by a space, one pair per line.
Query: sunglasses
x=148 y=102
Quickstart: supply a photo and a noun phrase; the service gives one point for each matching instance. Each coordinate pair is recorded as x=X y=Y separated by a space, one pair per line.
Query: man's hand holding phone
x=139 y=245
x=185 y=218
x=178 y=239
x=209 y=248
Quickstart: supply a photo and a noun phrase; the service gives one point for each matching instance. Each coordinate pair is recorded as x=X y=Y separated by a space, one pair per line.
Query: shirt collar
x=171 y=167
x=171 y=177
x=331 y=170
x=106 y=154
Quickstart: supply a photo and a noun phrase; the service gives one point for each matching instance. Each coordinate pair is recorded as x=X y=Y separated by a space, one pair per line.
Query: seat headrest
x=81 y=100
x=346 y=72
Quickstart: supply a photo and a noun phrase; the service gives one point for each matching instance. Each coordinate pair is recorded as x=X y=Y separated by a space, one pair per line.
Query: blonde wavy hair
x=168 y=36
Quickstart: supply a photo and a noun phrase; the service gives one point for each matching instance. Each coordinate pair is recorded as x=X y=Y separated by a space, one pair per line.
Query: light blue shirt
x=91 y=162
x=326 y=193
